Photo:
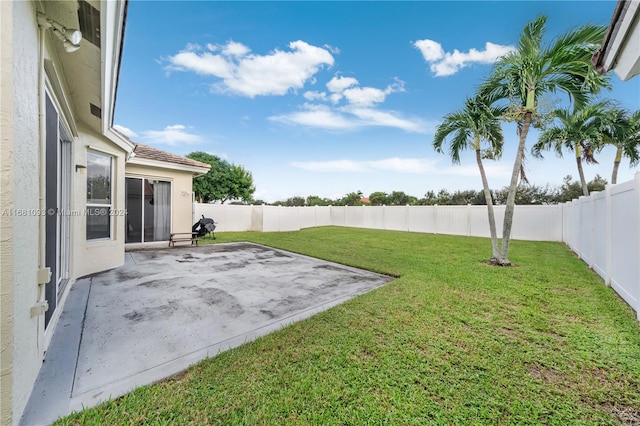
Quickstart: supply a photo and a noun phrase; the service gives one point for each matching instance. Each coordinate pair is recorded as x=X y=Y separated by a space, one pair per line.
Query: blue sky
x=326 y=98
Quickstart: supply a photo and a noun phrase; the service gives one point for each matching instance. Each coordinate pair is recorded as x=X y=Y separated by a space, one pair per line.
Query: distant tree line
x=525 y=195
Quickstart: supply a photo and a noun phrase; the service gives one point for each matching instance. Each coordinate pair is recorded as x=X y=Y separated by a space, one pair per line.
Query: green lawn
x=451 y=341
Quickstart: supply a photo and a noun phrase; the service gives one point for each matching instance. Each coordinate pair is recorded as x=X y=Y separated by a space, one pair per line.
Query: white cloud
x=448 y=63
x=364 y=96
x=250 y=75
x=313 y=96
x=397 y=165
x=205 y=64
x=125 y=131
x=335 y=97
x=357 y=112
x=318 y=116
x=493 y=170
x=173 y=135
x=235 y=49
x=404 y=165
x=351 y=118
x=339 y=84
x=373 y=117
x=348 y=88
x=431 y=50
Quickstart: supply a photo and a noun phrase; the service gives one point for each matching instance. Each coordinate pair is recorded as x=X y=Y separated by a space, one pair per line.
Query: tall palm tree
x=522 y=76
x=579 y=132
x=470 y=126
x=622 y=131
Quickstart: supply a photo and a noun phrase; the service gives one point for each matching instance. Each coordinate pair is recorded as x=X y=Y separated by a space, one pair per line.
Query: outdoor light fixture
x=69 y=37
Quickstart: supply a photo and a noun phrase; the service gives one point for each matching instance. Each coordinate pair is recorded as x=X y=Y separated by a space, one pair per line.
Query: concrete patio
x=167 y=309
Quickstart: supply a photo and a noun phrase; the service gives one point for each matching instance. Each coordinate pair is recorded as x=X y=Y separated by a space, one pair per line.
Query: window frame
x=91 y=207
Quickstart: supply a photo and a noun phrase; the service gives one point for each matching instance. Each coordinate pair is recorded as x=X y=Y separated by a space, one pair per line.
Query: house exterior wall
x=6 y=221
x=89 y=257
x=23 y=339
x=21 y=334
x=181 y=182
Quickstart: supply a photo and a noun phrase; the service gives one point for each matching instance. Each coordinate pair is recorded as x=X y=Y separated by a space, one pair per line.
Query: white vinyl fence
x=603 y=229
x=538 y=223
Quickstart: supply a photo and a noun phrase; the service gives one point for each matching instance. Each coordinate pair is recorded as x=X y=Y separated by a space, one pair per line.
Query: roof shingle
x=148 y=153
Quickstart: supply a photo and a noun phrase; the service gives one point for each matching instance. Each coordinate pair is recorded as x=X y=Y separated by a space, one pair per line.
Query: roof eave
x=196 y=171
x=112 y=16
x=617 y=38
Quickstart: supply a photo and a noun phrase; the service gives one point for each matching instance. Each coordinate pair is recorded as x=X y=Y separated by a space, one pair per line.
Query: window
x=99 y=199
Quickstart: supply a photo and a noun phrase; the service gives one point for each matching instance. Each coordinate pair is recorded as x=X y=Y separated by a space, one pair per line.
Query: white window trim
x=110 y=205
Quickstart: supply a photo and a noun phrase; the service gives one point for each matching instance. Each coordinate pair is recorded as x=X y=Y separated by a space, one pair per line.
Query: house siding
x=6 y=222
x=89 y=257
x=23 y=339
x=22 y=148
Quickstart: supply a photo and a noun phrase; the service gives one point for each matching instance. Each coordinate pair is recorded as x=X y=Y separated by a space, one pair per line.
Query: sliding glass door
x=148 y=204
x=58 y=156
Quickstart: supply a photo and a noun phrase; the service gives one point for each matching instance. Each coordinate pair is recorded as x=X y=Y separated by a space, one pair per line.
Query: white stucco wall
x=6 y=222
x=25 y=190
x=23 y=339
x=181 y=183
x=89 y=257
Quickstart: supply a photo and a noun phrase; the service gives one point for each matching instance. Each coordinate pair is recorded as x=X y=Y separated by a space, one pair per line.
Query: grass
x=451 y=341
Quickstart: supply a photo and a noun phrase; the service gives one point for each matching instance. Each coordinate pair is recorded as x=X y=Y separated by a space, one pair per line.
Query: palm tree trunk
x=616 y=163
x=489 y=201
x=503 y=260
x=583 y=181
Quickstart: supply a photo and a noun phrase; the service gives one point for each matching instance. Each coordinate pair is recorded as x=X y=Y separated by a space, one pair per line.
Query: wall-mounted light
x=82 y=169
x=69 y=37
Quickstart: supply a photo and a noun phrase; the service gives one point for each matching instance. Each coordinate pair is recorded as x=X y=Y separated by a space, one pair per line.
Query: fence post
x=384 y=221
x=608 y=230
x=435 y=218
x=468 y=220
x=562 y=222
x=592 y=228
x=406 y=216
x=362 y=224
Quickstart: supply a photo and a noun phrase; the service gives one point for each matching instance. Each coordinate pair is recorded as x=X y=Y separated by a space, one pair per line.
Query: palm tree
x=470 y=126
x=622 y=131
x=522 y=76
x=579 y=132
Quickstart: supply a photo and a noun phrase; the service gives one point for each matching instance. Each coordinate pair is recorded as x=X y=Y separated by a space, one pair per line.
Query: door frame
x=142 y=180
x=58 y=193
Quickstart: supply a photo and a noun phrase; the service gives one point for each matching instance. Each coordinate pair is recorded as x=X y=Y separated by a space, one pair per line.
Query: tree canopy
x=536 y=68
x=223 y=182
